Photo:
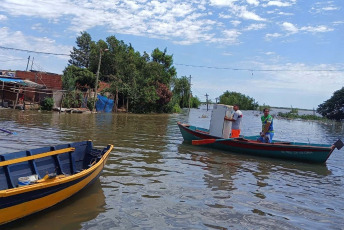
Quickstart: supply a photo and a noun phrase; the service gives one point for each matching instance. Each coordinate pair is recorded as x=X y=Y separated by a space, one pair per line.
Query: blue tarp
x=104 y=104
x=12 y=80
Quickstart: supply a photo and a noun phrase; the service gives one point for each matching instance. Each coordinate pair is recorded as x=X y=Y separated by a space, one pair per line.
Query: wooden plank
x=37 y=156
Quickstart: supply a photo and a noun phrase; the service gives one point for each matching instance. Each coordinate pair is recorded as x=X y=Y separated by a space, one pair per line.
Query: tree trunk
x=116 y=101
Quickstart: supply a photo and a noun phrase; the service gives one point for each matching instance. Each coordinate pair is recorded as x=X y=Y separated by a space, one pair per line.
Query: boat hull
x=291 y=151
x=25 y=200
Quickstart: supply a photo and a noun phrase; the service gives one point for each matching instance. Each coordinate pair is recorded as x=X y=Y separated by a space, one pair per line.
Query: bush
x=195 y=102
x=47 y=104
x=90 y=103
x=72 y=99
x=176 y=108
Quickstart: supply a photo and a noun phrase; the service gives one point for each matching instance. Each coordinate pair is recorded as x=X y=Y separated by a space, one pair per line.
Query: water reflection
x=70 y=214
x=154 y=181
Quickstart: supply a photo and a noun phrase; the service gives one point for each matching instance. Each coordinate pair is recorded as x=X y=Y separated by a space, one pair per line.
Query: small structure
x=25 y=90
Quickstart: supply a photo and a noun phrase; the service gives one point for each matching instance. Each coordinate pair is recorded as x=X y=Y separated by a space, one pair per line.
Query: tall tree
x=333 y=108
x=77 y=78
x=182 y=91
x=80 y=56
x=168 y=71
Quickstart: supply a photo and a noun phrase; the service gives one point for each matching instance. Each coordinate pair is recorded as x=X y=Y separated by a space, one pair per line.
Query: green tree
x=141 y=82
x=181 y=90
x=80 y=56
x=232 y=98
x=195 y=102
x=333 y=108
x=77 y=78
x=166 y=61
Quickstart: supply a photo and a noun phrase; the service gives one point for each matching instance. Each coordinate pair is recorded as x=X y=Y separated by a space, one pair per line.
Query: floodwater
x=153 y=180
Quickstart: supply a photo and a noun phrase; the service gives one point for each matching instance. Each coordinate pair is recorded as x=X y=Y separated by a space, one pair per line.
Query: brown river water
x=153 y=180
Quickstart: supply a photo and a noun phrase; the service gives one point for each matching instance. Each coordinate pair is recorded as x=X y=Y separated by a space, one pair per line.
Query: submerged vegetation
x=294 y=114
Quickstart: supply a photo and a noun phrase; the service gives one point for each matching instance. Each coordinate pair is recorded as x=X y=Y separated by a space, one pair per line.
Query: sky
x=286 y=53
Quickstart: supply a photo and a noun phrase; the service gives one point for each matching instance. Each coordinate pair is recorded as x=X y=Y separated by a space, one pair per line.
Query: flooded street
x=153 y=180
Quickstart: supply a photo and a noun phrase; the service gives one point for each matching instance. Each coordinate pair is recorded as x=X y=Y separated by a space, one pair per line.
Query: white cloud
x=225 y=16
x=269 y=53
x=273 y=35
x=290 y=27
x=235 y=23
x=278 y=3
x=227 y=54
x=250 y=16
x=222 y=2
x=285 y=14
x=3 y=17
x=17 y=39
x=255 y=27
x=317 y=29
x=177 y=21
x=338 y=22
x=279 y=77
x=330 y=8
x=230 y=37
x=323 y=7
x=253 y=2
x=38 y=27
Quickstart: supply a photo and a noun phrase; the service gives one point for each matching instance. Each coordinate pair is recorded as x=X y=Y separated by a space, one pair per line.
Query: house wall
x=50 y=80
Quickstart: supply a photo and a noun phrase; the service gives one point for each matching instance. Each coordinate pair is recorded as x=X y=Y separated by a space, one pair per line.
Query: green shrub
x=176 y=108
x=90 y=103
x=47 y=104
x=72 y=99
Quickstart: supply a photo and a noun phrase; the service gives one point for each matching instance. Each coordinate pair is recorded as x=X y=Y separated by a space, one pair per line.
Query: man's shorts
x=235 y=133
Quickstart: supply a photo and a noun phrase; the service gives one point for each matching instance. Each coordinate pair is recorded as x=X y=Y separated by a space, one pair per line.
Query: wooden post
x=3 y=92
x=15 y=104
x=61 y=103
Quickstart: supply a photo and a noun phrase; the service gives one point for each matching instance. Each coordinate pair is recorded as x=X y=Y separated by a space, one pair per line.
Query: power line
x=18 y=59
x=262 y=70
x=31 y=51
x=201 y=66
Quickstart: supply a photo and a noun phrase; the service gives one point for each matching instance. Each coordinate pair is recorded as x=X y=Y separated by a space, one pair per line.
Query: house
x=26 y=90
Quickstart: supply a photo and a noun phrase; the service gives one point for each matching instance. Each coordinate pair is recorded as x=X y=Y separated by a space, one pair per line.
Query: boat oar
x=203 y=141
x=338 y=144
x=9 y=132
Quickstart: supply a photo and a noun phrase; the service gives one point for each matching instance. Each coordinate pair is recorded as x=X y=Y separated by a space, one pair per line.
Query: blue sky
x=281 y=53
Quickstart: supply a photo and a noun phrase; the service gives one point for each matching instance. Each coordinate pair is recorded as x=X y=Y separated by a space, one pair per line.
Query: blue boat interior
x=67 y=163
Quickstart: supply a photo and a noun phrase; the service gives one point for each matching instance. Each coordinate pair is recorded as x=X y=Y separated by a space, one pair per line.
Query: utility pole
x=33 y=58
x=206 y=95
x=190 y=94
x=97 y=77
x=27 y=65
x=216 y=99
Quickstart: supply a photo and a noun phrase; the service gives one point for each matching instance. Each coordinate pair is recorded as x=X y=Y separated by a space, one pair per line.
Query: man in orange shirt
x=236 y=121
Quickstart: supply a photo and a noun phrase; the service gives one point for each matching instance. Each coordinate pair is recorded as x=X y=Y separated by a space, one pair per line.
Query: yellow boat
x=36 y=179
